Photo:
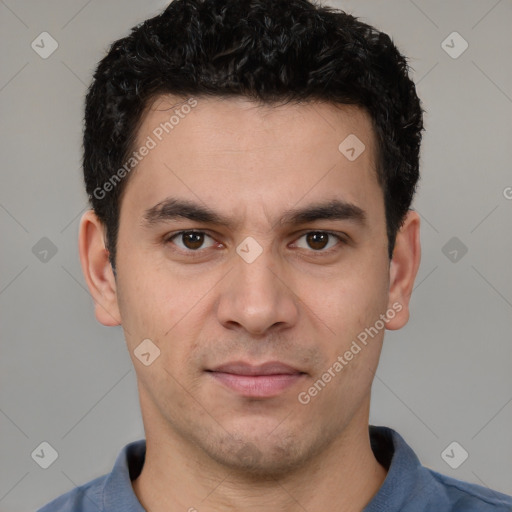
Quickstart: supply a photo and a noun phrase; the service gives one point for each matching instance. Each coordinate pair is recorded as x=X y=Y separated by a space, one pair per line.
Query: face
x=252 y=252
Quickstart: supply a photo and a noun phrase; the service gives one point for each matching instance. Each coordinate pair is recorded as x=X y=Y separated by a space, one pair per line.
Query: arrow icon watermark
x=249 y=249
x=146 y=352
x=351 y=147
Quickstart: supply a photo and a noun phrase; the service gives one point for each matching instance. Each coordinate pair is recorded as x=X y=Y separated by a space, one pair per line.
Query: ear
x=403 y=269
x=97 y=269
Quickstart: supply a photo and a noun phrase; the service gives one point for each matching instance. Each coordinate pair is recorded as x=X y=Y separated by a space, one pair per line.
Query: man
x=251 y=167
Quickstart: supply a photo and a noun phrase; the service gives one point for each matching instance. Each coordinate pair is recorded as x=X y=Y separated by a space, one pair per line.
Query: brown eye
x=319 y=241
x=192 y=240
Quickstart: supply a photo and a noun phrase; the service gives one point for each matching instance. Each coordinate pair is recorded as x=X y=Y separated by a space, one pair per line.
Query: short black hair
x=270 y=51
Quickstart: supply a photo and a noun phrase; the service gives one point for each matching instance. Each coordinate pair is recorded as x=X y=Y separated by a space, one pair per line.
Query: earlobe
x=403 y=269
x=97 y=270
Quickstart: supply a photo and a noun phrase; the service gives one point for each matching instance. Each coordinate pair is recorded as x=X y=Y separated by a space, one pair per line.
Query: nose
x=256 y=297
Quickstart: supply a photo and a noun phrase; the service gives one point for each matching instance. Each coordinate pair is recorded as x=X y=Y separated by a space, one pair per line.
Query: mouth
x=257 y=381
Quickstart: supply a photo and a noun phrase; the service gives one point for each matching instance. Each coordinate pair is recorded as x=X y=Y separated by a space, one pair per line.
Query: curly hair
x=265 y=50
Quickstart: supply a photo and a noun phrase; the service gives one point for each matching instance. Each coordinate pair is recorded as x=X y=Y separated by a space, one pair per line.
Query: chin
x=261 y=459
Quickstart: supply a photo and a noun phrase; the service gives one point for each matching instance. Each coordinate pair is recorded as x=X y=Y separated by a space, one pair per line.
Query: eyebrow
x=335 y=209
x=173 y=208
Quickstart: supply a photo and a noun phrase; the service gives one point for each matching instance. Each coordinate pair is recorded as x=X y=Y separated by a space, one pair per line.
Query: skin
x=294 y=304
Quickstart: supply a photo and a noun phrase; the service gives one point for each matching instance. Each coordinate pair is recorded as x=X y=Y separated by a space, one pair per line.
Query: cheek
x=352 y=347
x=147 y=292
x=157 y=304
x=143 y=305
x=350 y=301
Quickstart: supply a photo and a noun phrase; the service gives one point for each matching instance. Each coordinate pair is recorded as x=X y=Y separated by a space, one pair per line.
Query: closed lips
x=246 y=369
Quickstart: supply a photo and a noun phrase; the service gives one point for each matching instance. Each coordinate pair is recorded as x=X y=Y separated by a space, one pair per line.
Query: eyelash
x=198 y=252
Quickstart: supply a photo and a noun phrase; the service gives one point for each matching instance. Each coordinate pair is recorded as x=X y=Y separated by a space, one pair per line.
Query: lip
x=257 y=381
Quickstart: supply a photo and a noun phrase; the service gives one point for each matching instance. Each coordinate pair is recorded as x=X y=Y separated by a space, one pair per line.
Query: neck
x=344 y=476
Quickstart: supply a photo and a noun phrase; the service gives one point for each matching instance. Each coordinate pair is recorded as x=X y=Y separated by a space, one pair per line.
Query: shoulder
x=411 y=487
x=109 y=492
x=86 y=498
x=467 y=497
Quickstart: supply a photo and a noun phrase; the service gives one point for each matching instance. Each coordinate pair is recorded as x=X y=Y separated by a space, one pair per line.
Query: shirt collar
x=389 y=448
x=404 y=468
x=118 y=493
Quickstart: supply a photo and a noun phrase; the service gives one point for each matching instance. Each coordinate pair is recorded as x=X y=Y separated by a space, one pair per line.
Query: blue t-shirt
x=408 y=487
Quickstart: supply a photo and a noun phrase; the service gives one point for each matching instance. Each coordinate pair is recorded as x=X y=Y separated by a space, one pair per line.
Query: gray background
x=69 y=381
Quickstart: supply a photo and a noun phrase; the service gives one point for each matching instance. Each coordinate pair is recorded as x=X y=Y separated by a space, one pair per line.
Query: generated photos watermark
x=151 y=142
x=305 y=397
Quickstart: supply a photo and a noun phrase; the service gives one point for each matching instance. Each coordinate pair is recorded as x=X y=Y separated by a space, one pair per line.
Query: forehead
x=236 y=122
x=232 y=152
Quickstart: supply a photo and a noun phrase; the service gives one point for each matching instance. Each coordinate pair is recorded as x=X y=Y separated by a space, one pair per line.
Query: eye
x=318 y=241
x=192 y=240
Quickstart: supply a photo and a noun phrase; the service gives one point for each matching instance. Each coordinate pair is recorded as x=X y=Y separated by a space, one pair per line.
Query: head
x=271 y=52
x=243 y=109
